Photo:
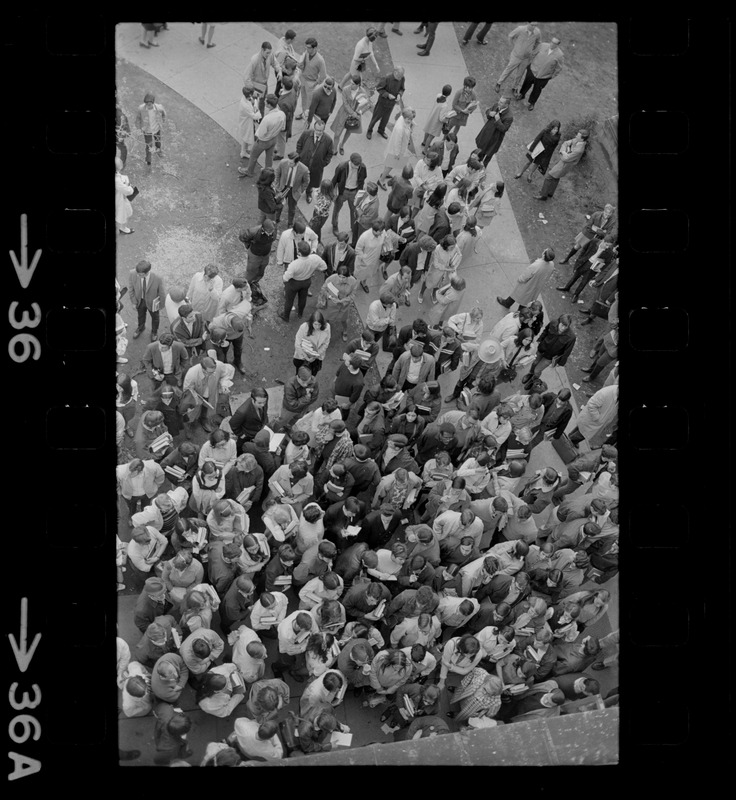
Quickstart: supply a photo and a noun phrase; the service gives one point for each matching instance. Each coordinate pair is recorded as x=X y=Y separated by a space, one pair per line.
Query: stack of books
x=177 y=473
x=161 y=442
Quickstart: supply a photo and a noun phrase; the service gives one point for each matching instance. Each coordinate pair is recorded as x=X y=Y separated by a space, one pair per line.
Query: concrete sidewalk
x=211 y=79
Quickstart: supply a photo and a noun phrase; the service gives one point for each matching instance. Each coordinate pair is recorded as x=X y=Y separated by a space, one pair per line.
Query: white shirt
x=246 y=732
x=168 y=359
x=278 y=610
x=288 y=639
x=414 y=369
x=285 y=252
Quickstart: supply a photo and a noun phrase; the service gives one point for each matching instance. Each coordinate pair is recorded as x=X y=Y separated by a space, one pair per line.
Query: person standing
x=491 y=135
x=525 y=41
x=208 y=30
x=595 y=257
x=190 y=330
x=270 y=204
x=570 y=154
x=234 y=327
x=361 y=55
x=529 y=284
x=553 y=348
x=300 y=392
x=482 y=33
x=258 y=70
x=203 y=382
x=463 y=104
x=605 y=351
x=258 y=242
x=313 y=72
x=336 y=301
x=394 y=27
x=311 y=342
x=287 y=103
x=122 y=131
x=381 y=318
x=204 y=292
x=298 y=278
x=596 y=226
x=250 y=417
x=322 y=104
x=165 y=361
x=548 y=138
x=123 y=190
x=390 y=90
x=150 y=118
x=596 y=414
x=368 y=249
x=546 y=65
x=267 y=133
x=339 y=254
x=292 y=178
x=366 y=211
x=314 y=148
x=249 y=116
x=147 y=294
x=400 y=145
x=349 y=116
x=435 y=121
x=349 y=177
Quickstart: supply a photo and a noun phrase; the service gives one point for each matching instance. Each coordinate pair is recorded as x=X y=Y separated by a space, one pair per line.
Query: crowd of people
x=381 y=544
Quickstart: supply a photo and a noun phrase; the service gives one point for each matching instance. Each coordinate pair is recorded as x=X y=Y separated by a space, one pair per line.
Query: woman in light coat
x=486 y=205
x=248 y=117
x=354 y=102
x=400 y=145
x=445 y=260
x=123 y=190
x=532 y=280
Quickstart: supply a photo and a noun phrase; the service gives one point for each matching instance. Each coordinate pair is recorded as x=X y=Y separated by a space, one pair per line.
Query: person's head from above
x=267 y=730
x=500 y=612
x=299 y=438
x=287 y=556
x=522 y=548
x=219 y=439
x=371 y=33
x=490 y=565
x=201 y=648
x=369 y=559
x=256 y=650
x=374 y=593
x=554 y=43
x=298 y=469
x=548 y=254
x=325 y=719
x=328 y=85
x=554 y=578
x=250 y=544
x=467 y=517
x=582 y=135
x=446 y=433
x=361 y=452
x=378 y=226
x=468 y=645
x=457 y=283
x=466 y=545
x=386 y=510
x=458 y=483
x=266 y=177
x=271 y=101
x=195 y=600
x=504 y=102
x=408 y=113
x=591 y=646
x=601 y=598
x=333 y=681
x=398 y=552
x=319 y=129
x=136 y=686
x=141 y=535
x=244 y=584
x=316 y=321
x=148 y=100
x=267 y=698
x=304 y=377
x=266 y=49
x=416 y=351
x=360 y=652
x=157 y=634
x=178 y=725
x=302 y=622
x=387 y=300
x=398 y=73
x=248 y=90
x=167 y=671
x=231 y=553
x=469 y=83
x=356 y=159
x=143 y=268
x=438 y=195
x=182 y=559
x=535 y=401
x=208 y=365
x=326 y=551
x=411 y=413
x=564 y=323
x=430 y=390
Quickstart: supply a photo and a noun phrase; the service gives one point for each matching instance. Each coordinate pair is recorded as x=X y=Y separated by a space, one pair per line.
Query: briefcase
x=565 y=448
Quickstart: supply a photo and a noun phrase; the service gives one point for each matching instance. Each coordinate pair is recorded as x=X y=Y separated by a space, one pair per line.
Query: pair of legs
x=208 y=30
x=315 y=366
x=602 y=359
x=348 y=196
x=155 y=140
x=533 y=83
x=142 y=309
x=581 y=276
x=427 y=46
x=534 y=167
x=259 y=147
x=381 y=116
x=337 y=145
x=149 y=31
x=395 y=27
x=481 y=37
x=549 y=187
x=295 y=290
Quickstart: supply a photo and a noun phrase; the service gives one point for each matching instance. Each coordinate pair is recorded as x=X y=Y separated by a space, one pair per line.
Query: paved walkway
x=212 y=80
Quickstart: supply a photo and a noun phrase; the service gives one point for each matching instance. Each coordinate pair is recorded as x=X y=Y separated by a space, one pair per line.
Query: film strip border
x=674 y=150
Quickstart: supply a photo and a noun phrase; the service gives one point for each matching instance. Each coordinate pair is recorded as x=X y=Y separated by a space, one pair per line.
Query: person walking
x=324 y=99
x=464 y=103
x=270 y=204
x=349 y=177
x=570 y=154
x=298 y=278
x=540 y=151
x=314 y=148
x=150 y=119
x=123 y=191
x=490 y=137
x=313 y=72
x=147 y=294
x=349 y=116
x=390 y=90
x=362 y=54
x=286 y=103
x=437 y=116
x=531 y=281
x=122 y=131
x=553 y=347
x=258 y=242
x=482 y=33
x=366 y=211
x=546 y=65
x=249 y=116
x=525 y=41
x=400 y=145
x=425 y=48
x=292 y=179
x=267 y=134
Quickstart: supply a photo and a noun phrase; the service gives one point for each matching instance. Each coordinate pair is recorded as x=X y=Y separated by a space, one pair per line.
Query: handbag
x=352 y=122
x=508 y=373
x=134 y=195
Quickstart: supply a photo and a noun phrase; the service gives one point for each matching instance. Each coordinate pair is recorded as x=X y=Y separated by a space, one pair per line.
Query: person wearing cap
x=175 y=298
x=151 y=602
x=169 y=677
x=204 y=292
x=249 y=115
x=532 y=280
x=395 y=455
x=546 y=65
x=147 y=295
x=314 y=148
x=525 y=40
x=361 y=55
x=570 y=154
x=390 y=90
x=190 y=330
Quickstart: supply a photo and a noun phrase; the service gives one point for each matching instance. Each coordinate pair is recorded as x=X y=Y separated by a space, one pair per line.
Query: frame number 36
x=24 y=345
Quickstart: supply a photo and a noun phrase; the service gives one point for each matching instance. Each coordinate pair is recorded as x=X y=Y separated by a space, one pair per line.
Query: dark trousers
x=581 y=276
x=151 y=138
x=123 y=152
x=347 y=196
x=142 y=308
x=531 y=81
x=549 y=187
x=295 y=289
x=383 y=337
x=462 y=384
x=575 y=436
x=381 y=115
x=431 y=29
x=483 y=31
x=315 y=366
x=257 y=266
x=291 y=206
x=603 y=359
x=221 y=351
x=236 y=345
x=358 y=230
x=144 y=500
x=316 y=224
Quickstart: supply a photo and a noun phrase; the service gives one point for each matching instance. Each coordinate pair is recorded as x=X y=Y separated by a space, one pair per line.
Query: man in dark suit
x=251 y=416
x=339 y=252
x=491 y=135
x=379 y=526
x=292 y=178
x=146 y=294
x=390 y=89
x=446 y=349
x=349 y=177
x=160 y=367
x=286 y=103
x=576 y=685
x=416 y=333
x=315 y=149
x=535 y=703
x=339 y=516
x=557 y=413
x=190 y=330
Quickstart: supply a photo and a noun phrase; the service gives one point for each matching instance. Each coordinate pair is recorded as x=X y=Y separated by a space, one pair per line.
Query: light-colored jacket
x=532 y=280
x=153 y=477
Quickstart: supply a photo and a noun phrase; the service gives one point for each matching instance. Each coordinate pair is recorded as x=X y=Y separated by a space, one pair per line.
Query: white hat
x=489 y=351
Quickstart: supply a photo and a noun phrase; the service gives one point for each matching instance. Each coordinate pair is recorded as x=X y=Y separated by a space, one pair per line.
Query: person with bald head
x=390 y=90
